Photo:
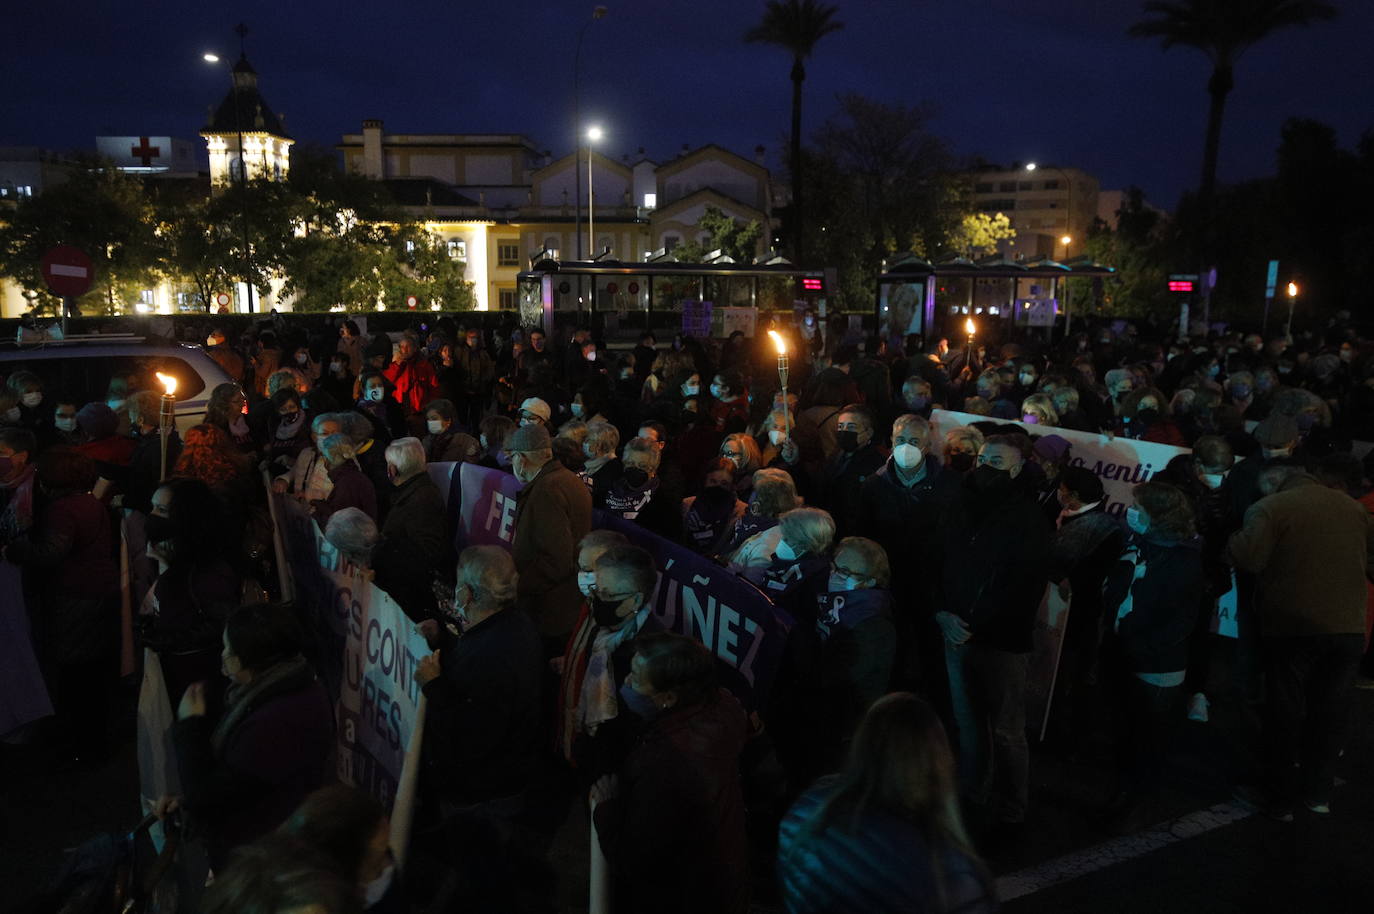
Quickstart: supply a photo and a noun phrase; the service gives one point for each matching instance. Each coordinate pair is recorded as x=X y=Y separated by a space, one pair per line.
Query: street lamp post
x=1067 y=238
x=594 y=135
x=597 y=13
x=212 y=58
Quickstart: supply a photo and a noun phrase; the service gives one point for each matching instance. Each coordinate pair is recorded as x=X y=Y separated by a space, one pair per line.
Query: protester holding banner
x=553 y=512
x=995 y=560
x=672 y=820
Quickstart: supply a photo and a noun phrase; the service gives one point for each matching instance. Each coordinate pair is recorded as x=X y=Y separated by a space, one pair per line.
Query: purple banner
x=23 y=694
x=486 y=516
x=698 y=598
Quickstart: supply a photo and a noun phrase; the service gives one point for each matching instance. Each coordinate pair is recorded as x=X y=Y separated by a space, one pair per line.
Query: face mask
x=604 y=611
x=635 y=478
x=1148 y=416
x=638 y=704
x=374 y=891
x=960 y=463
x=483 y=440
x=157 y=528
x=375 y=394
x=908 y=456
x=435 y=426
x=1347 y=355
x=1213 y=371
x=736 y=459
x=290 y=425
x=591 y=356
x=691 y=390
x=31 y=399
x=1027 y=380
x=1213 y=480
x=114 y=404
x=918 y=404
x=840 y=583
x=848 y=440
x=577 y=410
x=585 y=580
x=785 y=551
x=1137 y=520
x=715 y=391
x=65 y=424
x=990 y=479
x=1240 y=391
x=302 y=358
x=1030 y=419
x=776 y=437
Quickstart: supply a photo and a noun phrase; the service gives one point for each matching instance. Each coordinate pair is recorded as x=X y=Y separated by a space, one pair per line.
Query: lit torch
x=970 y=328
x=166 y=415
x=782 y=376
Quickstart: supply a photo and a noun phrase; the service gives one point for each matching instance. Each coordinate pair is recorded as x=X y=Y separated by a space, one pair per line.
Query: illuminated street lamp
x=1067 y=238
x=212 y=58
x=594 y=135
x=598 y=12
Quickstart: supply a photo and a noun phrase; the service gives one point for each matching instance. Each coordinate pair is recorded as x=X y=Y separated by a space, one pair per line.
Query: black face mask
x=604 y=611
x=960 y=463
x=1148 y=416
x=991 y=480
x=635 y=477
x=158 y=528
x=847 y=440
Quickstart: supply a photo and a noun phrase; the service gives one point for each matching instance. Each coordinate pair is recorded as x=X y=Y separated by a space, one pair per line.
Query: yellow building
x=1046 y=205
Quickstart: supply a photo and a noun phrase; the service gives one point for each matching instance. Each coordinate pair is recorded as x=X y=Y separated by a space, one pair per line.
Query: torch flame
x=779 y=342
x=970 y=327
x=168 y=382
x=1292 y=290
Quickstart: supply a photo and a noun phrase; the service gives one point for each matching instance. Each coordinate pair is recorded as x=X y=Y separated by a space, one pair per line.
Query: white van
x=81 y=368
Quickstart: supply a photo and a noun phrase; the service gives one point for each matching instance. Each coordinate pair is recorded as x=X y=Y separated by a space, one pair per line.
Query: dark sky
x=1056 y=81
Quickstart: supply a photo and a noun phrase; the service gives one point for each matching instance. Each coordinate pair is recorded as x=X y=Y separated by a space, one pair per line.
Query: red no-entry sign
x=68 y=271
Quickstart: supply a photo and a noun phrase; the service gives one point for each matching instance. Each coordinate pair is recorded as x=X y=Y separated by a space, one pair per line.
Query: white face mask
x=374 y=891
x=375 y=394
x=302 y=358
x=908 y=456
x=736 y=459
x=577 y=410
x=785 y=552
x=435 y=426
x=715 y=391
x=1213 y=480
x=777 y=436
x=114 y=404
x=691 y=390
x=585 y=580
x=32 y=399
x=842 y=583
x=65 y=423
x=483 y=440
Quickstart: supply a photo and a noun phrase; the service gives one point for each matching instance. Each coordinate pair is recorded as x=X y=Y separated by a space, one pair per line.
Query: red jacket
x=415 y=382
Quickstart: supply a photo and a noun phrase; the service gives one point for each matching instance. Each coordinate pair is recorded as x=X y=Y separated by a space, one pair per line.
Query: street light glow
x=594 y=134
x=1031 y=166
x=1066 y=240
x=209 y=57
x=1292 y=290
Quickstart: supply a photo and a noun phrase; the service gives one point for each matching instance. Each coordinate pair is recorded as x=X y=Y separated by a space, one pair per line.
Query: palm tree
x=795 y=26
x=1223 y=30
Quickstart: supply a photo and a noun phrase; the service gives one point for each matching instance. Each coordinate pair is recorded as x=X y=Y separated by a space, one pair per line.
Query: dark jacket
x=145 y=468
x=905 y=521
x=552 y=513
x=1153 y=636
x=680 y=800
x=1085 y=549
x=351 y=490
x=842 y=481
x=415 y=544
x=996 y=549
x=268 y=764
x=883 y=863
x=858 y=643
x=482 y=727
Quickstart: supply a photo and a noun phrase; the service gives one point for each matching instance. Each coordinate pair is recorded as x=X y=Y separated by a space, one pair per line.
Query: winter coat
x=905 y=521
x=674 y=835
x=351 y=490
x=482 y=728
x=841 y=488
x=1164 y=583
x=415 y=544
x=552 y=514
x=995 y=557
x=1312 y=549
x=414 y=381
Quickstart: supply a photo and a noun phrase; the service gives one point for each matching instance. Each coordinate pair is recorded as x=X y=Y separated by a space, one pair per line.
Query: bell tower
x=243 y=133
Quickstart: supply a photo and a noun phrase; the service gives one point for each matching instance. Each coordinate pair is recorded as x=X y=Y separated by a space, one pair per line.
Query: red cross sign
x=145 y=152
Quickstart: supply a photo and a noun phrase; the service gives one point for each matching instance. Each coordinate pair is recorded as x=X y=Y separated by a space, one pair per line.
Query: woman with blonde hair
x=885 y=834
x=1038 y=409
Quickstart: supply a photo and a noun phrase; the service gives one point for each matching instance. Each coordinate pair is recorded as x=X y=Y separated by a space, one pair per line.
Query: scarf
x=588 y=691
x=240 y=701
x=845 y=610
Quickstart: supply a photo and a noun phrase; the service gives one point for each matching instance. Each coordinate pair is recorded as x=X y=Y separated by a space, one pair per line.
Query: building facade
x=1050 y=207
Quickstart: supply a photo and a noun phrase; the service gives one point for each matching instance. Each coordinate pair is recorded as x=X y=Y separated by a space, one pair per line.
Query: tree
x=978 y=234
x=1223 y=30
x=1138 y=250
x=103 y=212
x=796 y=26
x=737 y=240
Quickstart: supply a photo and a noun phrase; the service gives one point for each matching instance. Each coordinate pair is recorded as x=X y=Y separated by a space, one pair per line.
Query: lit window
x=146 y=296
x=508 y=255
x=650 y=201
x=410 y=247
x=25 y=190
x=457 y=249
x=507 y=299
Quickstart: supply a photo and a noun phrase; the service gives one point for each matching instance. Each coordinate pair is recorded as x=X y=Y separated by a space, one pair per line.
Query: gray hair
x=338 y=448
x=353 y=533
x=808 y=530
x=407 y=455
x=775 y=492
x=355 y=425
x=964 y=434
x=917 y=423
x=489 y=572
x=323 y=419
x=603 y=439
x=644 y=448
x=286 y=377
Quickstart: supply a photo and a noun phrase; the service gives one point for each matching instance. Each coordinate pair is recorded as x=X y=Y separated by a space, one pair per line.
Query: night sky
x=1056 y=81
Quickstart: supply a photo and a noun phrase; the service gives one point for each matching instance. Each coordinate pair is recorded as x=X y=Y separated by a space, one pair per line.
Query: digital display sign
x=1180 y=285
x=812 y=284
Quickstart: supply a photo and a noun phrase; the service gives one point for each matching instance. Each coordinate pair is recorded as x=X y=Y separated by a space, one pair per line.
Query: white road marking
x=62 y=269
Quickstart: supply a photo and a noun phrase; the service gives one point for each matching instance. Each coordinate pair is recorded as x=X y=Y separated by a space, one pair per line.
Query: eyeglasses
x=847 y=572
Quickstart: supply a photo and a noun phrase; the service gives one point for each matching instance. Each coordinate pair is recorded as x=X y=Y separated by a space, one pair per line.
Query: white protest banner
x=1121 y=463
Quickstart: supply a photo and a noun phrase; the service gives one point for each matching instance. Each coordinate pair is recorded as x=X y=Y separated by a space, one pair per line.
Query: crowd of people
x=912 y=565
